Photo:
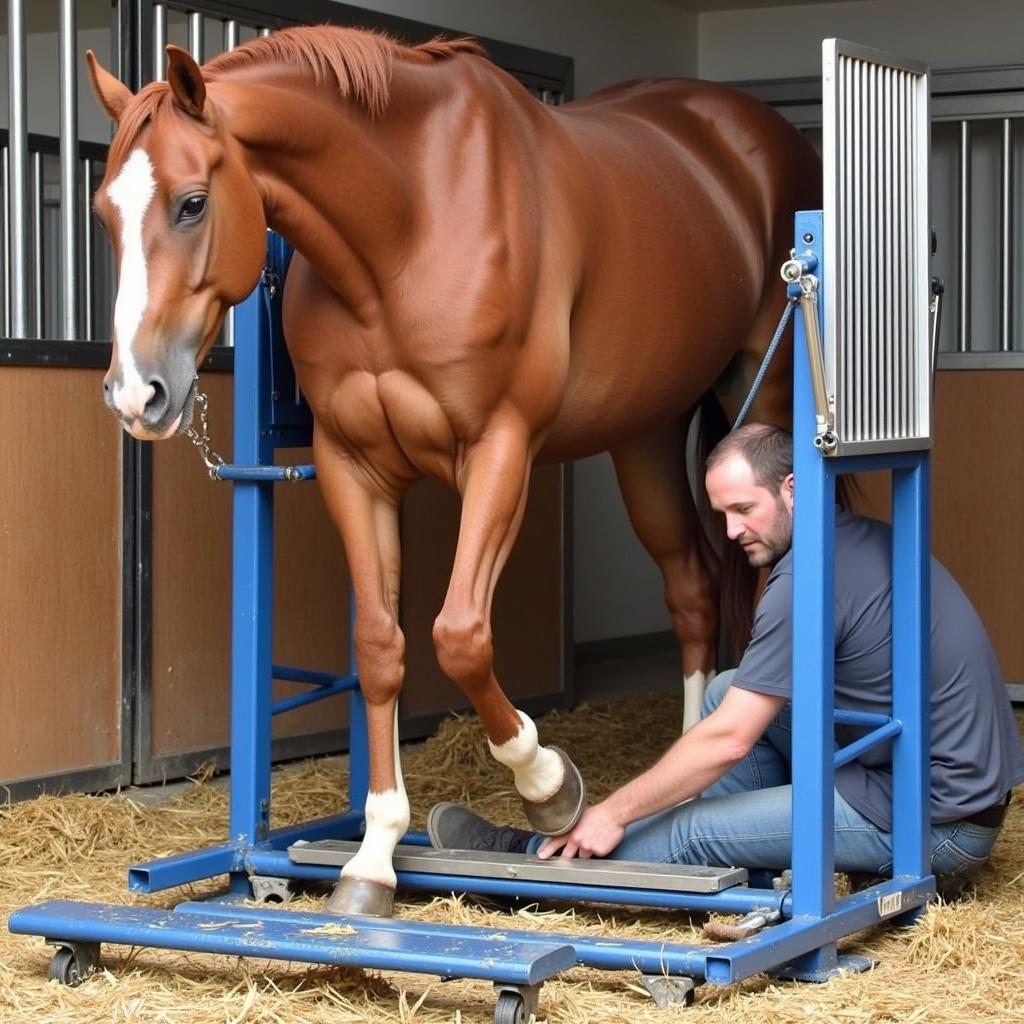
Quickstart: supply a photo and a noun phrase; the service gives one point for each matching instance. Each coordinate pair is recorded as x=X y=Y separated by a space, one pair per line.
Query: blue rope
x=786 y=314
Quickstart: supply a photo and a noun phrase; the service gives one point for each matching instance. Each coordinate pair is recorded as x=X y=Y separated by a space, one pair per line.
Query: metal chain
x=201 y=438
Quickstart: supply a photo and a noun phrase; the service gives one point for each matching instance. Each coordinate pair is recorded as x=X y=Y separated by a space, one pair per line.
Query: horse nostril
x=158 y=402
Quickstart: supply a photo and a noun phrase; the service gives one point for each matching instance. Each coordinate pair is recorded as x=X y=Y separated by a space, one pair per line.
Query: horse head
x=187 y=224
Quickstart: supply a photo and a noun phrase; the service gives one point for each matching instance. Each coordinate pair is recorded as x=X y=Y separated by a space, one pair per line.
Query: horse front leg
x=494 y=483
x=368 y=521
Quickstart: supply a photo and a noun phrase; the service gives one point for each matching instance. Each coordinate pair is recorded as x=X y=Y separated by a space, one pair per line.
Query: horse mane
x=359 y=61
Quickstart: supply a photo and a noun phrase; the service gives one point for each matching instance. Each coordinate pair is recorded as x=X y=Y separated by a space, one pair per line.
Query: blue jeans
x=745 y=819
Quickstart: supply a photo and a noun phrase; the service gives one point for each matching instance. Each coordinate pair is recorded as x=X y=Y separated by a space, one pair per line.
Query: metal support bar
x=963 y=276
x=18 y=270
x=813 y=629
x=844 y=717
x=320 y=692
x=252 y=603
x=527 y=867
x=305 y=675
x=69 y=326
x=265 y=474
x=159 y=41
x=7 y=241
x=911 y=620
x=865 y=743
x=196 y=36
x=88 y=317
x=38 y=289
x=1006 y=276
x=739 y=900
x=197 y=865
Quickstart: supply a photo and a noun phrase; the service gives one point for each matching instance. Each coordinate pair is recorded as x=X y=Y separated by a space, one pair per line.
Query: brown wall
x=977 y=498
x=60 y=574
x=60 y=563
x=191 y=653
x=529 y=604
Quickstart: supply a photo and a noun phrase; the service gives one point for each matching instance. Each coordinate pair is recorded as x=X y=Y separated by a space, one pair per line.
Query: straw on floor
x=963 y=962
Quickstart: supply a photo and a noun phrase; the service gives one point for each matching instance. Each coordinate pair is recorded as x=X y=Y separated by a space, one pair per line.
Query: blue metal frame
x=270 y=414
x=814 y=759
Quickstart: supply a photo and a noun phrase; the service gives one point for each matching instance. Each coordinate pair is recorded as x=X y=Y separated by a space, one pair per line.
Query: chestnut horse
x=479 y=281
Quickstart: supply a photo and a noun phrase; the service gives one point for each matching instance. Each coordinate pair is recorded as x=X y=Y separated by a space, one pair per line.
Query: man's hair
x=767 y=449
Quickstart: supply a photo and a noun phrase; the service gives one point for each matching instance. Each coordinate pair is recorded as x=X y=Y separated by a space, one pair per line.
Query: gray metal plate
x=619 y=874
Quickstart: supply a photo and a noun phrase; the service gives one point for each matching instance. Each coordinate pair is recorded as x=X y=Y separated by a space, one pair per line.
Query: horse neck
x=328 y=184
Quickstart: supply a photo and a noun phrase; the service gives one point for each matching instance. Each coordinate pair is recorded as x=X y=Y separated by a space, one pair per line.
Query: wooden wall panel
x=60 y=574
x=191 y=590
x=191 y=652
x=529 y=607
x=977 y=498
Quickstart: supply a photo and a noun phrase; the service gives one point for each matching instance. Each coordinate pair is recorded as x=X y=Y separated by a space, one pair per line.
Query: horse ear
x=186 y=81
x=112 y=94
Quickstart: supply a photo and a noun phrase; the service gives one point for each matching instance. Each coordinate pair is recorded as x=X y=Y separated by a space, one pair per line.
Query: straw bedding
x=962 y=962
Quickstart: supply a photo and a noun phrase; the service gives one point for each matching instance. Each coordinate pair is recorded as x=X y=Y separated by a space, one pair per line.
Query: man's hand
x=596 y=834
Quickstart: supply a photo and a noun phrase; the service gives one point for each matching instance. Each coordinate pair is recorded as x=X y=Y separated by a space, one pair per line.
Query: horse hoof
x=359 y=897
x=560 y=812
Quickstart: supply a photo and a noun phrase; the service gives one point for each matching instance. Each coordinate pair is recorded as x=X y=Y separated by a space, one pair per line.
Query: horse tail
x=737 y=579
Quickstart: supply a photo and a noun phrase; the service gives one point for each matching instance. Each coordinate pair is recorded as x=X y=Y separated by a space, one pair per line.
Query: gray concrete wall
x=782 y=42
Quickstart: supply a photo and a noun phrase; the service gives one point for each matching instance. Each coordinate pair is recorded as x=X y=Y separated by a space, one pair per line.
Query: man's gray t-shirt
x=976 y=754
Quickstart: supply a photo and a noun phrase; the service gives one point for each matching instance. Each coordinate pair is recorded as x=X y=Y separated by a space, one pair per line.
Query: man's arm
x=696 y=760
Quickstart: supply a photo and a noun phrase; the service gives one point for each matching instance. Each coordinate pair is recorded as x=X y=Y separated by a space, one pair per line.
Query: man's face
x=758 y=520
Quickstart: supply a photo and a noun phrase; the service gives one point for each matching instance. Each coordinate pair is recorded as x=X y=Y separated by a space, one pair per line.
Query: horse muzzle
x=148 y=409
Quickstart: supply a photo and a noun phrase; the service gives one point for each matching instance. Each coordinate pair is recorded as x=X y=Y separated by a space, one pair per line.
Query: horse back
x=683 y=194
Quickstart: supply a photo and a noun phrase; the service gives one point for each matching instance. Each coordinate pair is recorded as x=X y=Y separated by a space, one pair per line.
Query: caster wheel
x=510 y=1009
x=64 y=968
x=73 y=963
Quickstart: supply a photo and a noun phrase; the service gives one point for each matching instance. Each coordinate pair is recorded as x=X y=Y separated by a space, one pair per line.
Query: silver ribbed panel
x=876 y=279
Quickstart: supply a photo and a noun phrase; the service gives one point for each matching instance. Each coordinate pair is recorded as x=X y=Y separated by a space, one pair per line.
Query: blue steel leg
x=911 y=618
x=813 y=661
x=252 y=590
x=251 y=666
x=813 y=636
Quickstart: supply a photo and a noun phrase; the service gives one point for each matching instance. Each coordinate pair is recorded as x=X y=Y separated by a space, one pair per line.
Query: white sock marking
x=131 y=193
x=538 y=770
x=387 y=820
x=694 y=686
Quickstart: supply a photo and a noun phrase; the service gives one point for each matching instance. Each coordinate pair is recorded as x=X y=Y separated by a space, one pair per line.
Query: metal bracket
x=666 y=989
x=749 y=925
x=270 y=889
x=797 y=273
x=938 y=289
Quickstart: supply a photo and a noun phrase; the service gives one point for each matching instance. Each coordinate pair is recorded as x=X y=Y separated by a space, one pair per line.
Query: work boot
x=453 y=827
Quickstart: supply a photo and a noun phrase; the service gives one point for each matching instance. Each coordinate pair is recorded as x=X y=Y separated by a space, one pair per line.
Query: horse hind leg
x=652 y=476
x=493 y=502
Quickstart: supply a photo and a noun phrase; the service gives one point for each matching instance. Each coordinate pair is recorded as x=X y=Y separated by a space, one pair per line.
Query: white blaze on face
x=131 y=193
x=538 y=771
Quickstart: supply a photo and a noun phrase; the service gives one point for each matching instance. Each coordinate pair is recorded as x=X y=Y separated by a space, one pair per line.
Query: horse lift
x=787 y=931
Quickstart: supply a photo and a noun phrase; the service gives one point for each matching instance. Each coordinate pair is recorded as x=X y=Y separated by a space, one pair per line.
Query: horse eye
x=192 y=209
